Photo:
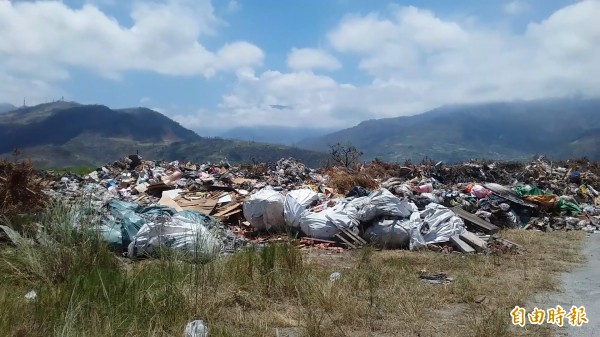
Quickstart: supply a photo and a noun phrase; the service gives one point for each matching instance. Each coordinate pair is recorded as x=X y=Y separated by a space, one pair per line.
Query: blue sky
x=212 y=65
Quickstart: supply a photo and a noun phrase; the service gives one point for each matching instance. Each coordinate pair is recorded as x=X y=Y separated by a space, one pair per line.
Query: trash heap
x=213 y=208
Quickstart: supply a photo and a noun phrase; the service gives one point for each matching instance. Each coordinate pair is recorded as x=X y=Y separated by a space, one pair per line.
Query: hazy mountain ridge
x=274 y=134
x=514 y=130
x=68 y=133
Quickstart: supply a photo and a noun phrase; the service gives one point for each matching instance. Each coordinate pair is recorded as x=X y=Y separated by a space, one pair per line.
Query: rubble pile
x=212 y=208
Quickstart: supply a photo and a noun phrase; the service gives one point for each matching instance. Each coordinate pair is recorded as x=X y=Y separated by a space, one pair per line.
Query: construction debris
x=221 y=207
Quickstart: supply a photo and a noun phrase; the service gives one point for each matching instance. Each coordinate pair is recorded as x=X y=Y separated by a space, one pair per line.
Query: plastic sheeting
x=317 y=224
x=296 y=203
x=264 y=210
x=389 y=233
x=435 y=224
x=383 y=203
x=186 y=232
x=126 y=220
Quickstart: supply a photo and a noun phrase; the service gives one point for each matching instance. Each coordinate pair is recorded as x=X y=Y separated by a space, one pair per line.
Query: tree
x=344 y=154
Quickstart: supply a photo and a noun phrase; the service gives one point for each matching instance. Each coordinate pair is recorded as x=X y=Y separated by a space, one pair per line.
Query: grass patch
x=85 y=290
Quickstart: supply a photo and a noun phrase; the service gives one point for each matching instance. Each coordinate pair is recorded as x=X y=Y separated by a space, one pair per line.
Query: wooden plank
x=461 y=245
x=318 y=240
x=355 y=237
x=475 y=220
x=345 y=241
x=236 y=211
x=344 y=230
x=228 y=209
x=474 y=241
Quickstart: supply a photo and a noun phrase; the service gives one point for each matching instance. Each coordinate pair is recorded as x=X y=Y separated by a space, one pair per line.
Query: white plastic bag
x=384 y=203
x=296 y=203
x=433 y=225
x=180 y=233
x=389 y=233
x=317 y=224
x=264 y=210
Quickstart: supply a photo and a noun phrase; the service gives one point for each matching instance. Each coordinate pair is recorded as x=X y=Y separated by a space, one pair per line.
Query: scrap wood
x=316 y=240
x=360 y=241
x=474 y=241
x=345 y=241
x=232 y=209
x=474 y=220
x=461 y=245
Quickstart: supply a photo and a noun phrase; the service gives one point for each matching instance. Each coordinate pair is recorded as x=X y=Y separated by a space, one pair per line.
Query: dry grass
x=276 y=290
x=20 y=191
x=342 y=180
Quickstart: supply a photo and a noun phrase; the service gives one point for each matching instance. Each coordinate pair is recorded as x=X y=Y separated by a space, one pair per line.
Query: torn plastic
x=264 y=210
x=196 y=328
x=128 y=218
x=296 y=203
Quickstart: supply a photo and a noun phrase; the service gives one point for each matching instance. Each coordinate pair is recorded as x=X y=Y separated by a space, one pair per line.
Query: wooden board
x=475 y=220
x=345 y=241
x=474 y=241
x=229 y=210
x=461 y=245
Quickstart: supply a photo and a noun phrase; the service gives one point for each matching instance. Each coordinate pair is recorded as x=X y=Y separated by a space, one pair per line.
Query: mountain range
x=70 y=134
x=558 y=128
x=274 y=134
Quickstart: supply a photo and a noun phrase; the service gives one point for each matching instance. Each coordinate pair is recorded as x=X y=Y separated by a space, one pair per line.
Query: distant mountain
x=559 y=128
x=274 y=134
x=67 y=133
x=6 y=107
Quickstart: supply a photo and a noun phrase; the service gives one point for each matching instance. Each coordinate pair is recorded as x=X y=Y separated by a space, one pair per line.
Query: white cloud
x=308 y=58
x=418 y=61
x=515 y=7
x=44 y=39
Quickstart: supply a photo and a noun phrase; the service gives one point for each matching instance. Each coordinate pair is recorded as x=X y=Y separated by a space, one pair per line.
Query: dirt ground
x=581 y=287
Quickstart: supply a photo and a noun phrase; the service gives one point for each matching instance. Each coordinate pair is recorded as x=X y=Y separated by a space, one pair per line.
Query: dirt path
x=582 y=288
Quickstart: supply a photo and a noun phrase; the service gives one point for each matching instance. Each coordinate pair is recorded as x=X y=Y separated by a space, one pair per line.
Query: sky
x=214 y=65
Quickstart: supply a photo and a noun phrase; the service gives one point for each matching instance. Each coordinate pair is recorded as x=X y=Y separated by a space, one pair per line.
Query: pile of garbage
x=211 y=208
